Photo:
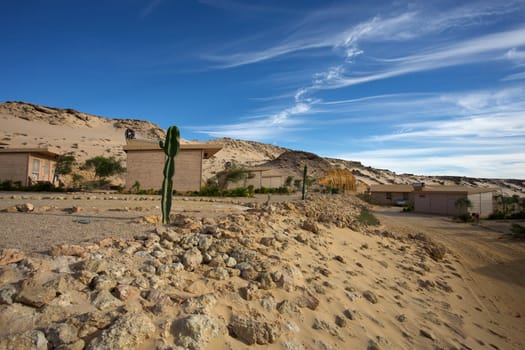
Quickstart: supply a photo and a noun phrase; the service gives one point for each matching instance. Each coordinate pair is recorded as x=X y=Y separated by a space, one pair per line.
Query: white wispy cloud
x=266 y=127
x=472 y=132
x=500 y=164
x=327 y=29
x=515 y=76
x=151 y=6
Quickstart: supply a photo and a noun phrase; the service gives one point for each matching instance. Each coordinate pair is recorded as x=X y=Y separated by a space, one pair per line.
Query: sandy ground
x=494 y=262
x=483 y=308
x=99 y=216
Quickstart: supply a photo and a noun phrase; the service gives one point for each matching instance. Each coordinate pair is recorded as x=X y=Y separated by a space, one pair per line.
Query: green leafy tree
x=64 y=164
x=104 y=167
x=233 y=174
x=288 y=181
x=463 y=203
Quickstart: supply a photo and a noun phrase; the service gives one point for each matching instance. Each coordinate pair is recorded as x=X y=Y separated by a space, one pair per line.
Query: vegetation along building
x=145 y=163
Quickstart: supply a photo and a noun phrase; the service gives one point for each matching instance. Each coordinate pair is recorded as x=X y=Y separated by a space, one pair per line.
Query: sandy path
x=495 y=264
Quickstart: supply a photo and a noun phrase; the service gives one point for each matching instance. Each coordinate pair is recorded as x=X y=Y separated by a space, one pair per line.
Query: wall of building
x=272 y=181
x=438 y=203
x=482 y=203
x=147 y=166
x=13 y=166
x=390 y=198
x=254 y=180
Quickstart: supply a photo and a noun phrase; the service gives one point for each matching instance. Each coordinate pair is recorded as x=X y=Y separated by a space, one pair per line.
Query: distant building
x=145 y=164
x=27 y=165
x=258 y=178
x=391 y=194
x=441 y=200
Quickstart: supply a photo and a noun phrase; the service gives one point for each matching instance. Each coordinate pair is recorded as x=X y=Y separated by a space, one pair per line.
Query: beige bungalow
x=145 y=164
x=391 y=194
x=27 y=165
x=443 y=200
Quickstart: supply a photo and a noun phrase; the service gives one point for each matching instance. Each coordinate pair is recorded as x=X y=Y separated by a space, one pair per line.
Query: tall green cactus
x=171 y=147
x=304 y=182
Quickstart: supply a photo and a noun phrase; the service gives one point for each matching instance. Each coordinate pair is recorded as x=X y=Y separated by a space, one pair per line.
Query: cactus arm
x=171 y=147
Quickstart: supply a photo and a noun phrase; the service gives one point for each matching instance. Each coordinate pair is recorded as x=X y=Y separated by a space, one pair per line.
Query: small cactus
x=171 y=147
x=304 y=182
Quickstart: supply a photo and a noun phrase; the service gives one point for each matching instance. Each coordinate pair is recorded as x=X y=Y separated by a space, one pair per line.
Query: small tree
x=288 y=182
x=463 y=203
x=233 y=174
x=64 y=164
x=104 y=167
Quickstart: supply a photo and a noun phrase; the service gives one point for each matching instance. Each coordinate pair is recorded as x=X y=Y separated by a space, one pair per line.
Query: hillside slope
x=30 y=125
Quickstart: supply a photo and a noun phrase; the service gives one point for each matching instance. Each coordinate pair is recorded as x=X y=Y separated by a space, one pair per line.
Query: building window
x=389 y=195
x=45 y=170
x=405 y=195
x=36 y=169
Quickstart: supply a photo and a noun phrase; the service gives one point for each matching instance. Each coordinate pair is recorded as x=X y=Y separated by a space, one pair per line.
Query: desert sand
x=246 y=274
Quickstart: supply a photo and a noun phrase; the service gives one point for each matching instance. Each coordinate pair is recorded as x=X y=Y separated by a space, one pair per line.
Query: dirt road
x=495 y=262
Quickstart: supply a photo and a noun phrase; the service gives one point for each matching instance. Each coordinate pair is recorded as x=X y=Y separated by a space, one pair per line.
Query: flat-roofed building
x=145 y=164
x=442 y=200
x=27 y=165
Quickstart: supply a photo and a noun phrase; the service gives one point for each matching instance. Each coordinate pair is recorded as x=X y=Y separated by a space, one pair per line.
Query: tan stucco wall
x=445 y=203
x=381 y=197
x=438 y=203
x=146 y=167
x=482 y=203
x=272 y=181
x=13 y=166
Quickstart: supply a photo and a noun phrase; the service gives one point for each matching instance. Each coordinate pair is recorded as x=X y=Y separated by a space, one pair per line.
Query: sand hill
x=30 y=125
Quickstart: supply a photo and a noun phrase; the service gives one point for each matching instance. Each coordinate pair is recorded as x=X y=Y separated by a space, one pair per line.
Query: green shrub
x=517 y=216
x=365 y=197
x=270 y=190
x=104 y=167
x=408 y=208
x=464 y=217
x=215 y=191
x=518 y=230
x=43 y=187
x=367 y=218
x=497 y=215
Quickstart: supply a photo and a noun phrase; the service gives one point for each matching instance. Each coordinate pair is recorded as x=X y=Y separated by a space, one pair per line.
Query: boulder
x=127 y=332
x=195 y=331
x=33 y=293
x=30 y=340
x=10 y=255
x=253 y=331
x=25 y=208
x=192 y=259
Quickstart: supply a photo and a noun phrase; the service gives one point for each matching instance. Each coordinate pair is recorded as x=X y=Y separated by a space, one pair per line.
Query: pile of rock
x=162 y=287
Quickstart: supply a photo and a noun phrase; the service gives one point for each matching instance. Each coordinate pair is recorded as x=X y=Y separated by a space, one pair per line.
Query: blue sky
x=424 y=87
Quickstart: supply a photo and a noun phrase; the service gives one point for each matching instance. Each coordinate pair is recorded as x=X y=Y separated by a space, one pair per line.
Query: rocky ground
x=279 y=275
